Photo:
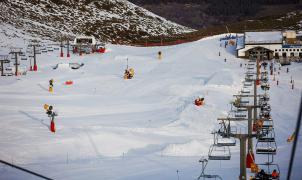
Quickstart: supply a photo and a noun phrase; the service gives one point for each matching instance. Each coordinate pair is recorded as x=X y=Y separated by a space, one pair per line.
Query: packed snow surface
x=144 y=128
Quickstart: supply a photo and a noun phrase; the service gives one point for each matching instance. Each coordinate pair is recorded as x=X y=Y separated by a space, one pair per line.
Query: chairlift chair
x=264 y=73
x=265 y=97
x=49 y=48
x=249 y=75
x=239 y=114
x=264 y=80
x=217 y=152
x=204 y=176
x=241 y=110
x=266 y=107
x=265 y=86
x=268 y=168
x=247 y=83
x=244 y=101
x=245 y=91
x=222 y=141
x=263 y=103
x=268 y=124
x=267 y=135
x=266 y=147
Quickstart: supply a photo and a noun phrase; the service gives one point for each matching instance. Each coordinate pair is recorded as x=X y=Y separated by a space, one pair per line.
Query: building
x=270 y=45
x=87 y=44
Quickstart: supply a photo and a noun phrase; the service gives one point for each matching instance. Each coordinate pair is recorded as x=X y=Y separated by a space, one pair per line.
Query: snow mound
x=191 y=148
x=221 y=78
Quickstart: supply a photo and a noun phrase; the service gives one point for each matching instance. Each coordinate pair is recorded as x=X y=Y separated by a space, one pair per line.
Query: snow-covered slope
x=108 y=20
x=143 y=128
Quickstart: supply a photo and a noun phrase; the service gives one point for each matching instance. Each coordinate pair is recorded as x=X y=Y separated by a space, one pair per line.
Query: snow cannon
x=52 y=126
x=35 y=67
x=129 y=73
x=159 y=55
x=101 y=50
x=199 y=101
x=50 y=89
x=46 y=106
x=51 y=114
x=69 y=82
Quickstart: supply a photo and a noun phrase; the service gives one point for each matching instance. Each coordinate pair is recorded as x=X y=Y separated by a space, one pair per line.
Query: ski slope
x=143 y=128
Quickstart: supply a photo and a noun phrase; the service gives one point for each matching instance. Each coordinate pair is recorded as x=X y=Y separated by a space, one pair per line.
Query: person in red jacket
x=275 y=174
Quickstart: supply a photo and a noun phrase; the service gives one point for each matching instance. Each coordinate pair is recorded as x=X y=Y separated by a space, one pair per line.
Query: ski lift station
x=87 y=44
x=269 y=45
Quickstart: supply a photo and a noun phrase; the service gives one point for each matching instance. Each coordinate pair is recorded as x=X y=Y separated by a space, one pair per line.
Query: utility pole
x=3 y=60
x=61 y=54
x=15 y=52
x=68 y=53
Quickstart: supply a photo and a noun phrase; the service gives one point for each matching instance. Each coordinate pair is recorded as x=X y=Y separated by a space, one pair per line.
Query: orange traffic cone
x=52 y=126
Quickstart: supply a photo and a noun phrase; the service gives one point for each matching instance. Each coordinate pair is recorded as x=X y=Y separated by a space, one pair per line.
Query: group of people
x=262 y=175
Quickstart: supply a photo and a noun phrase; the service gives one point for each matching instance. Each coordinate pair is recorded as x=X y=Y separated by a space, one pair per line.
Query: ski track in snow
x=143 y=128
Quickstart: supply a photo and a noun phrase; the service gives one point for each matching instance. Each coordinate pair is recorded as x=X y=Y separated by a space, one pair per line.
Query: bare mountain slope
x=108 y=20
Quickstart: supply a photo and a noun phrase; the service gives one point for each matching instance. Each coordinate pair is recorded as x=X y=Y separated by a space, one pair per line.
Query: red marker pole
x=68 y=54
x=61 y=54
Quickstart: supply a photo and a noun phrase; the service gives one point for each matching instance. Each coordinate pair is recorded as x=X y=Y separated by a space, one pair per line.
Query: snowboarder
x=287 y=70
x=224 y=59
x=219 y=53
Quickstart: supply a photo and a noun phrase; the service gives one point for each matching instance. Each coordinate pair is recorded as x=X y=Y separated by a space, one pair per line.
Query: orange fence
x=162 y=42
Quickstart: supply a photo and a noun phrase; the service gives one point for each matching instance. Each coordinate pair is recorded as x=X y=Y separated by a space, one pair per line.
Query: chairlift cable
x=295 y=141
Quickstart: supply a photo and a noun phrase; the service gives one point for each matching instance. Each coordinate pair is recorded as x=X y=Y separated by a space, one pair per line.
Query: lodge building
x=270 y=45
